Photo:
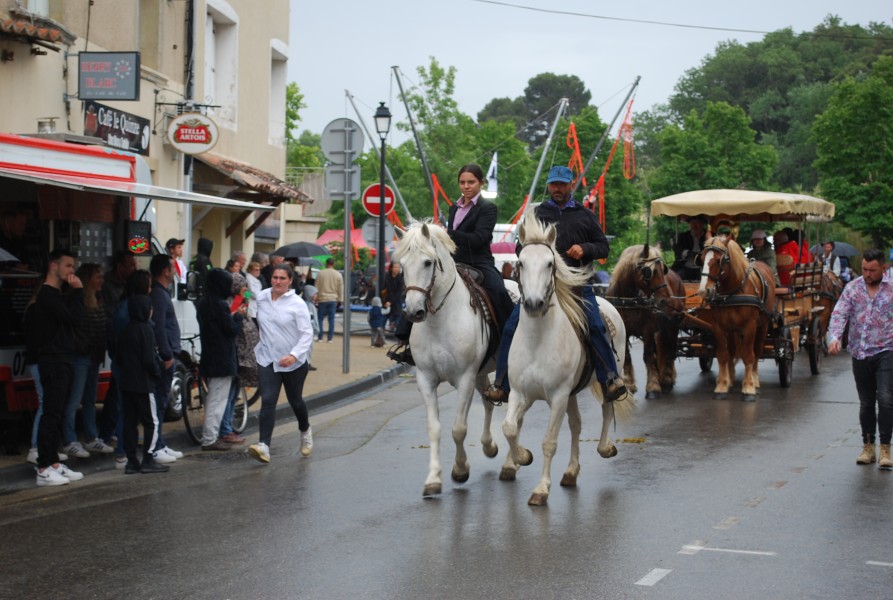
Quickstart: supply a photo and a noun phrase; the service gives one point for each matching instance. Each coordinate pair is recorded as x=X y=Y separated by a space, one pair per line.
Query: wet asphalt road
x=706 y=499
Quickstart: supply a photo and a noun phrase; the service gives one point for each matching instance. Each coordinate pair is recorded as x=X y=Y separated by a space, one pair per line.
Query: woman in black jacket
x=218 y=327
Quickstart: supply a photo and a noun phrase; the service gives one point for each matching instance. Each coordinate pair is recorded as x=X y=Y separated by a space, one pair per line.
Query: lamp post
x=382 y=126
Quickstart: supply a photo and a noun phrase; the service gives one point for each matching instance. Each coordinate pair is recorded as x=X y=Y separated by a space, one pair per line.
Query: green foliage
x=854 y=140
x=365 y=256
x=294 y=102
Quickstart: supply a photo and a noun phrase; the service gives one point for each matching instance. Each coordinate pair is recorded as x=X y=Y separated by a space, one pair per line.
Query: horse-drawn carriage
x=736 y=311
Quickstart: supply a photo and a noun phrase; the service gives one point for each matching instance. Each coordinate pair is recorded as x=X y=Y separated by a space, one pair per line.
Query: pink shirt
x=870 y=319
x=463 y=209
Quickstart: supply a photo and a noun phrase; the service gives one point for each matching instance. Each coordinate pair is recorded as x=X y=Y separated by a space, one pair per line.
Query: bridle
x=550 y=290
x=644 y=268
x=427 y=291
x=724 y=261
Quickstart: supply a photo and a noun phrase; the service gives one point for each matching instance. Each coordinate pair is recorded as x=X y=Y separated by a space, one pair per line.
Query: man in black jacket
x=167 y=338
x=55 y=321
x=579 y=241
x=688 y=247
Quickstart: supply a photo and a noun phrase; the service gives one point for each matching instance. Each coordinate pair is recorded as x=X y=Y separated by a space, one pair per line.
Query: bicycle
x=194 y=390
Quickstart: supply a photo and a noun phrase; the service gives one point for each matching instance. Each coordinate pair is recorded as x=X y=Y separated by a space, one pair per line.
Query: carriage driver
x=579 y=240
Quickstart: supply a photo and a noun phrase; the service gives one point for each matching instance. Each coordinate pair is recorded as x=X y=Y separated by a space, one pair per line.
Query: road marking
x=878 y=564
x=777 y=485
x=698 y=546
x=654 y=576
x=727 y=523
x=755 y=502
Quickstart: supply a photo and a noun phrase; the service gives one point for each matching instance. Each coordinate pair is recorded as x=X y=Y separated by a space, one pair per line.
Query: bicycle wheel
x=240 y=410
x=194 y=406
x=252 y=394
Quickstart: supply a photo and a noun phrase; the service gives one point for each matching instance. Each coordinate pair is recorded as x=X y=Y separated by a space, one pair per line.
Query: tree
x=854 y=142
x=294 y=102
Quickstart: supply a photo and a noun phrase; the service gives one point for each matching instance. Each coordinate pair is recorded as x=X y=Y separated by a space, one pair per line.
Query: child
x=138 y=361
x=377 y=320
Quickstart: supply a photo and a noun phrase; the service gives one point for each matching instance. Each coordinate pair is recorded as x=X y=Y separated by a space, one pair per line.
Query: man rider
x=579 y=240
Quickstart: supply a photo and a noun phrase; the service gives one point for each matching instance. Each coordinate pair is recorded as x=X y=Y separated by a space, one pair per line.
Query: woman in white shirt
x=286 y=336
x=252 y=274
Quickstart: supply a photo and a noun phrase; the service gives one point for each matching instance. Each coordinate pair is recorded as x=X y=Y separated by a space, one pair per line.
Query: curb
x=17 y=475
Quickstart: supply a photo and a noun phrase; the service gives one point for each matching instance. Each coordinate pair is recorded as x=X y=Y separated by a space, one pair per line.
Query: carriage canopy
x=745 y=205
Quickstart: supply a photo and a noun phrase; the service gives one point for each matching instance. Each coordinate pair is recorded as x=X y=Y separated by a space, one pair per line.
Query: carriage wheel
x=815 y=346
x=706 y=363
x=785 y=357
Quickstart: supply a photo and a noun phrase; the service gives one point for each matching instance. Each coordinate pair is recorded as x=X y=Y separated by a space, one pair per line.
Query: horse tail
x=623 y=409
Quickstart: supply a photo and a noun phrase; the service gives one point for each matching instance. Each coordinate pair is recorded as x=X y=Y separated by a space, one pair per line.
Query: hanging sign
x=192 y=133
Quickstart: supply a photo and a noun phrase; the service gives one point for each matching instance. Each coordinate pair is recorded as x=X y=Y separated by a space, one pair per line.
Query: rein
x=550 y=290
x=427 y=291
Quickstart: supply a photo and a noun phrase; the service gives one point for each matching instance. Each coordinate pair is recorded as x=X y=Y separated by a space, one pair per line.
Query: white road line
x=878 y=564
x=697 y=547
x=654 y=576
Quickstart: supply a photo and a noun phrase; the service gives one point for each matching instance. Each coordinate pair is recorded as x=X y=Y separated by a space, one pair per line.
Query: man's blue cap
x=560 y=175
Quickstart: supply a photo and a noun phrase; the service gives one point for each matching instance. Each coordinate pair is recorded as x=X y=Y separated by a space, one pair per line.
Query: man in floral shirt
x=866 y=305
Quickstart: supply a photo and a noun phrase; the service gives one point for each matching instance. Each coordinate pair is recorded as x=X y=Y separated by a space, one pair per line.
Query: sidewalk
x=368 y=368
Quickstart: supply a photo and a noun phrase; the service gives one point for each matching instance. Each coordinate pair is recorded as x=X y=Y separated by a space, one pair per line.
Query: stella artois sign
x=192 y=133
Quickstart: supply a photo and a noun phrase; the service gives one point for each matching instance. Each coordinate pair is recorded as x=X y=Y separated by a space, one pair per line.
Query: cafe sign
x=192 y=133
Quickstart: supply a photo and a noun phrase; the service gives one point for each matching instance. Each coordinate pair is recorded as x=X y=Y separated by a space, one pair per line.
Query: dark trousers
x=605 y=363
x=271 y=382
x=108 y=418
x=55 y=378
x=874 y=383
x=139 y=409
x=162 y=397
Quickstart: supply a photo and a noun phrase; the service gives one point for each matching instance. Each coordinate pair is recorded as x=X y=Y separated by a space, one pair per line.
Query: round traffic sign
x=372 y=199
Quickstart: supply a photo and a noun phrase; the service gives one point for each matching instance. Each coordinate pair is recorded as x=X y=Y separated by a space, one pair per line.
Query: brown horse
x=741 y=295
x=650 y=298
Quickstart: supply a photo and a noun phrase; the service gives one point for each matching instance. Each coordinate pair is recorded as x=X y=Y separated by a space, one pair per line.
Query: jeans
x=162 y=397
x=605 y=363
x=55 y=377
x=35 y=375
x=85 y=378
x=113 y=413
x=327 y=310
x=226 y=423
x=874 y=384
x=271 y=383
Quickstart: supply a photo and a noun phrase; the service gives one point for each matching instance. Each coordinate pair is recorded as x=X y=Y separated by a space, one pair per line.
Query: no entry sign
x=372 y=199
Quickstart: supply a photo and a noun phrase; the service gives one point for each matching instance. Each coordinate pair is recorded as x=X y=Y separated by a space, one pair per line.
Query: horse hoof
x=568 y=480
x=538 y=499
x=506 y=474
x=609 y=452
x=526 y=458
x=491 y=450
x=666 y=387
x=459 y=477
x=652 y=395
x=749 y=398
x=720 y=396
x=431 y=489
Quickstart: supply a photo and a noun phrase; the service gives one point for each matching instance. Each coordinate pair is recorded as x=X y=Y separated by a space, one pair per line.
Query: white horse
x=548 y=357
x=449 y=340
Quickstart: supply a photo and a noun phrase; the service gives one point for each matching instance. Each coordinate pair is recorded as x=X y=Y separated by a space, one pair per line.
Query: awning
x=129 y=189
x=255 y=179
x=745 y=205
x=32 y=28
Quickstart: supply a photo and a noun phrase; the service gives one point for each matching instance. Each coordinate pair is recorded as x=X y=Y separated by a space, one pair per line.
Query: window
x=222 y=61
x=278 y=76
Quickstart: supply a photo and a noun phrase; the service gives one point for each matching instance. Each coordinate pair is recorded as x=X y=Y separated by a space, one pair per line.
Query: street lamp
x=382 y=126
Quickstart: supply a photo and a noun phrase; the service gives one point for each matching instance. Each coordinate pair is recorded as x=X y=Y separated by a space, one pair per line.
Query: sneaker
x=217 y=446
x=120 y=462
x=62 y=456
x=32 y=456
x=163 y=457
x=75 y=449
x=132 y=467
x=259 y=451
x=153 y=466
x=233 y=438
x=50 y=476
x=99 y=446
x=495 y=395
x=171 y=452
x=307 y=442
x=67 y=473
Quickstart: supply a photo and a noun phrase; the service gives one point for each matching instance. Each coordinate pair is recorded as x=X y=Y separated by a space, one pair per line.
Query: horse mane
x=415 y=240
x=623 y=278
x=737 y=260
x=566 y=278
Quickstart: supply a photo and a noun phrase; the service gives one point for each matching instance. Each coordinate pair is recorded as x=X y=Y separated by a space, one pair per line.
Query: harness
x=734 y=298
x=427 y=291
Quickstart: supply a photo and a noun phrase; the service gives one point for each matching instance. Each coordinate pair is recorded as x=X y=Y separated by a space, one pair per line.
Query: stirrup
x=495 y=395
x=401 y=353
x=615 y=389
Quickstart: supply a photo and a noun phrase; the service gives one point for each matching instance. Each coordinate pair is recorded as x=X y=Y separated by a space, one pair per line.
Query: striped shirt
x=870 y=319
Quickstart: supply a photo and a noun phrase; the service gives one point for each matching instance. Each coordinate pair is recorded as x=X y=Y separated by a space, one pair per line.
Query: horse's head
x=424 y=251
x=723 y=265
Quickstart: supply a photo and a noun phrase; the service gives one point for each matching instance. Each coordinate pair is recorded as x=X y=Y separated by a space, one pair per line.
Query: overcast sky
x=339 y=45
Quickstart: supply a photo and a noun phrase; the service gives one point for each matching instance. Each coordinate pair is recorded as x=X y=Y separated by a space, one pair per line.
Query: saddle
x=480 y=301
x=592 y=355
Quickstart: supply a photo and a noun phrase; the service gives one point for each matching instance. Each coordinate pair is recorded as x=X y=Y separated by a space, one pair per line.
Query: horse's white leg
x=465 y=390
x=605 y=448
x=487 y=443
x=428 y=389
x=575 y=422
x=517 y=455
x=558 y=406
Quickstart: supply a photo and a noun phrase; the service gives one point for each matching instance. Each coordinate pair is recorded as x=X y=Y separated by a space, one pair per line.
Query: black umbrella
x=840 y=249
x=300 y=250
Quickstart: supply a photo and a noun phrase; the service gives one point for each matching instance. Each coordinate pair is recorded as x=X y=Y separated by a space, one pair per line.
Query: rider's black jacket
x=575 y=225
